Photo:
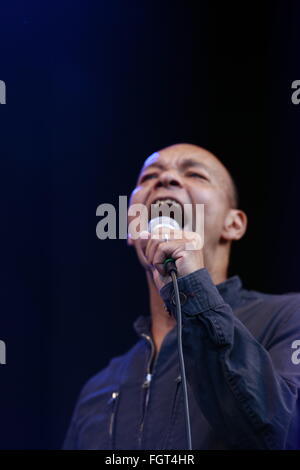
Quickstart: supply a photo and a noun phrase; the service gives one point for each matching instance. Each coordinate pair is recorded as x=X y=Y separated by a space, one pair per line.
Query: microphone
x=166 y=222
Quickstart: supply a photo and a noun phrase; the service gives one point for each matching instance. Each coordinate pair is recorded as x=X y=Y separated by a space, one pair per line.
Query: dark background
x=94 y=87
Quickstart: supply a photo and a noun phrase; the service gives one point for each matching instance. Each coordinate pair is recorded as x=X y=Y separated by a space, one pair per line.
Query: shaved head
x=224 y=176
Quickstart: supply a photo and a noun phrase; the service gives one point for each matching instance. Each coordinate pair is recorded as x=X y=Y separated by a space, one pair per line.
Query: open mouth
x=167 y=207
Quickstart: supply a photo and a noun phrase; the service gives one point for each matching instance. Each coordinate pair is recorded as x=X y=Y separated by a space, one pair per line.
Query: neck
x=161 y=321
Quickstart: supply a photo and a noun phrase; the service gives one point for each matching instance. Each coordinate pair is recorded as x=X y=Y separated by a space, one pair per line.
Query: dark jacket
x=243 y=376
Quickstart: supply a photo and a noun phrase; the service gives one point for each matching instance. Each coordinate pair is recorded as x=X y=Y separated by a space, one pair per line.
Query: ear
x=235 y=225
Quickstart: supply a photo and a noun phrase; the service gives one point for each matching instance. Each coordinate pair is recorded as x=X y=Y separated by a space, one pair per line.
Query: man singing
x=239 y=346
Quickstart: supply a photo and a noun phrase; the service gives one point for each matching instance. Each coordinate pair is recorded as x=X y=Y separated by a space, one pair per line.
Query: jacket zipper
x=176 y=395
x=113 y=402
x=146 y=385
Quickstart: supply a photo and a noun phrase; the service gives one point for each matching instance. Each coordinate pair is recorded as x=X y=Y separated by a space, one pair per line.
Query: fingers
x=158 y=248
x=155 y=249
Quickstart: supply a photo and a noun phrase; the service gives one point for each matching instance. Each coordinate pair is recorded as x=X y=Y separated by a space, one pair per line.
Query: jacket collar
x=230 y=290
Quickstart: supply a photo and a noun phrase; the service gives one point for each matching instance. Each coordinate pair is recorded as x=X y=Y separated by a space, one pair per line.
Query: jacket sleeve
x=247 y=393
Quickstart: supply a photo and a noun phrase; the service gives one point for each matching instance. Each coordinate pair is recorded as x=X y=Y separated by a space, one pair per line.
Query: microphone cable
x=170 y=268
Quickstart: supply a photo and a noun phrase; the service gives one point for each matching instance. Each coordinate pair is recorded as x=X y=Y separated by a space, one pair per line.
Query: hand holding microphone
x=168 y=247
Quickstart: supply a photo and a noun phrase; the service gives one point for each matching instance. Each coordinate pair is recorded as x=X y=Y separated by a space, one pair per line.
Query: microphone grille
x=163 y=221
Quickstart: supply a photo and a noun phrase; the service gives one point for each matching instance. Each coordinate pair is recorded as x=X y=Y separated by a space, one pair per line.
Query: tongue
x=167 y=210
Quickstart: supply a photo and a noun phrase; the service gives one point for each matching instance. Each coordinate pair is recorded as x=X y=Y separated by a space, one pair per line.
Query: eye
x=197 y=175
x=147 y=177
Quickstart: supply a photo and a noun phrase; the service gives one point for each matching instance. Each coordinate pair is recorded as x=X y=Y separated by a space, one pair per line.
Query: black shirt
x=242 y=358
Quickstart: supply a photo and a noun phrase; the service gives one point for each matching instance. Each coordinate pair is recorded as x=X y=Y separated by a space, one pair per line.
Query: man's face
x=190 y=175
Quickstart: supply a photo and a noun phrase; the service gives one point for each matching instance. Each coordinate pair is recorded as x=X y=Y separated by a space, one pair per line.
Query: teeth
x=159 y=202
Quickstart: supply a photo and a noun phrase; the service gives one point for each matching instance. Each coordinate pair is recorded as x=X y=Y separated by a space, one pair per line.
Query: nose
x=168 y=178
